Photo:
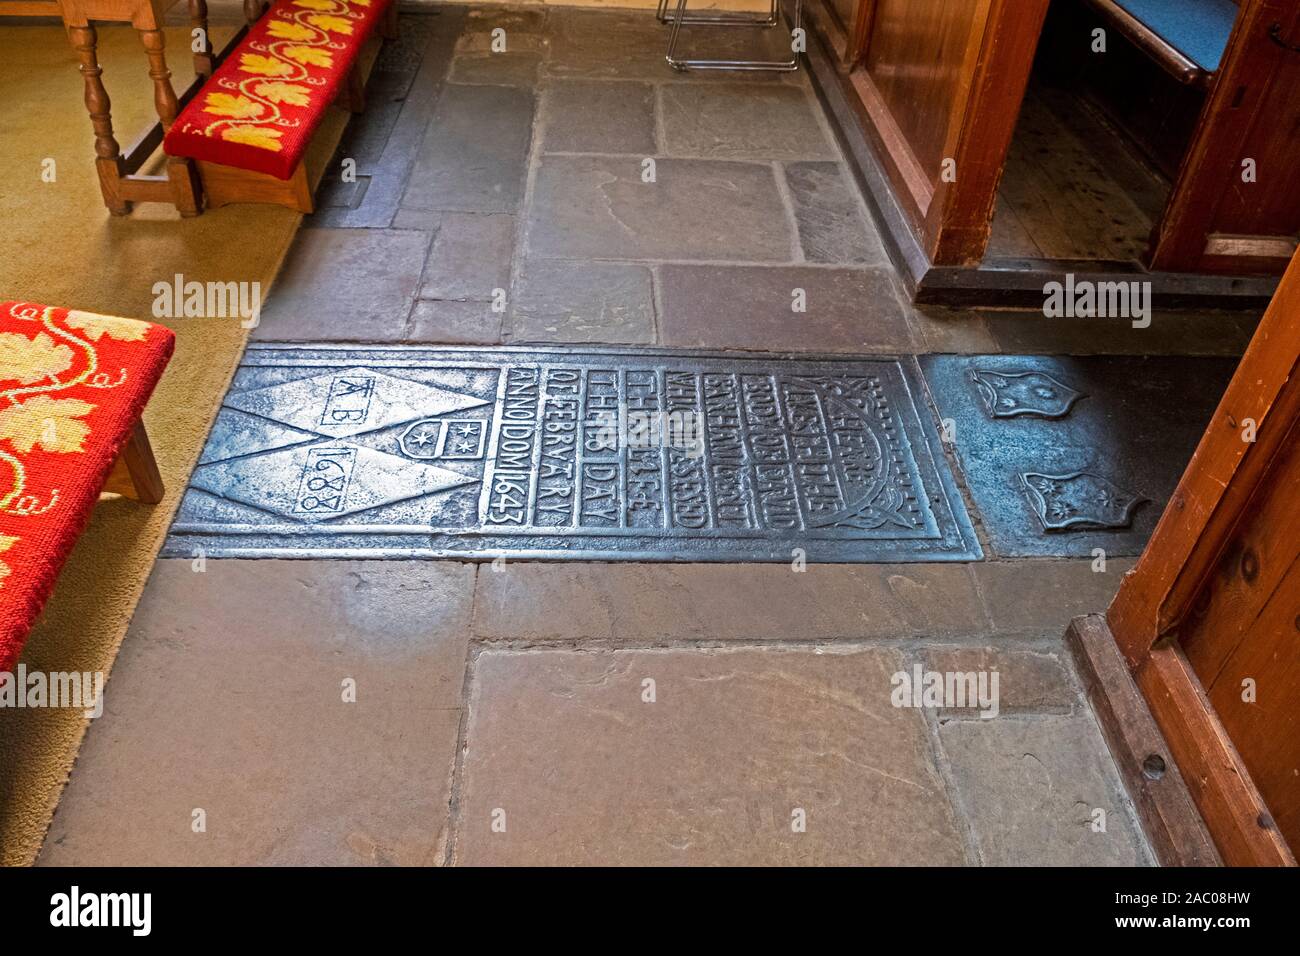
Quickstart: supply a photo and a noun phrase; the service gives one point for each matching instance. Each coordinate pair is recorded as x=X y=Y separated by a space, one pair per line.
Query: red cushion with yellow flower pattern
x=261 y=106
x=72 y=387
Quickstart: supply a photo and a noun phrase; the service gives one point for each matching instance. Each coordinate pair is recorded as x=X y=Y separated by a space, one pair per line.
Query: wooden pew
x=1186 y=37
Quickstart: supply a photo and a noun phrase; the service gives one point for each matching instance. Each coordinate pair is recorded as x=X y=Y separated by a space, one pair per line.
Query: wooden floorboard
x=1072 y=189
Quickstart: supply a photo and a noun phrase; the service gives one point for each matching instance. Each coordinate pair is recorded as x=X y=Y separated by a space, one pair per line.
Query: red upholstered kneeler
x=73 y=386
x=262 y=105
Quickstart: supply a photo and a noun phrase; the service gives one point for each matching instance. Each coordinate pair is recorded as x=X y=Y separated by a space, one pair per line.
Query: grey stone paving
x=1041 y=791
x=424 y=55
x=829 y=215
x=591 y=43
x=598 y=116
x=556 y=131
x=471 y=257
x=788 y=308
x=503 y=47
x=601 y=207
x=603 y=713
x=342 y=285
x=493 y=69
x=474 y=154
x=229 y=697
x=736 y=747
x=578 y=301
x=455 y=322
x=742 y=121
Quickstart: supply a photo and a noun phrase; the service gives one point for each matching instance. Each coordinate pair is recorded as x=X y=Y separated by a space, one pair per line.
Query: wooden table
x=29 y=8
x=119 y=178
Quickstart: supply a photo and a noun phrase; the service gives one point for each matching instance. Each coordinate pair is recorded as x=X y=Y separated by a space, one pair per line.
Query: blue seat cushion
x=1198 y=29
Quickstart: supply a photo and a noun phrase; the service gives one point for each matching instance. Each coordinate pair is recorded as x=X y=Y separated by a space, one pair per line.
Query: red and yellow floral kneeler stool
x=73 y=386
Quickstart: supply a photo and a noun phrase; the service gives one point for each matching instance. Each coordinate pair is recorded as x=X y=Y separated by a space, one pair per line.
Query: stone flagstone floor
x=591 y=712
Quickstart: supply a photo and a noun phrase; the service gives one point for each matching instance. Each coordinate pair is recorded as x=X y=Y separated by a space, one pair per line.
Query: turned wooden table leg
x=253 y=10
x=204 y=62
x=108 y=155
x=180 y=171
x=164 y=97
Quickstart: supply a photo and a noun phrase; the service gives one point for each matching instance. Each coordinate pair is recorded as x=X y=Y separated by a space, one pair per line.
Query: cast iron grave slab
x=572 y=453
x=1063 y=455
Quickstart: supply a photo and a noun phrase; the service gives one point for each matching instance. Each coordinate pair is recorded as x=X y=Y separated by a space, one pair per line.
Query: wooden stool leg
x=135 y=473
x=253 y=10
x=301 y=187
x=204 y=62
x=108 y=155
x=181 y=174
x=354 y=93
x=164 y=97
x=186 y=187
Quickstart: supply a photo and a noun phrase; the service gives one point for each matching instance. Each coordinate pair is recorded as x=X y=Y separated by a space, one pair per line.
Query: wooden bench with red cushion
x=73 y=386
x=249 y=127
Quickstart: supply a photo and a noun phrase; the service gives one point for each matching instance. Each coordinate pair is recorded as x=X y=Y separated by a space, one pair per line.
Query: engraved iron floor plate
x=563 y=453
x=1065 y=455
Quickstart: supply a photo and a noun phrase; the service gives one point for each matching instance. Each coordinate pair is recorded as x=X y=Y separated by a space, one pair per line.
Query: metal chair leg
x=680 y=17
x=723 y=19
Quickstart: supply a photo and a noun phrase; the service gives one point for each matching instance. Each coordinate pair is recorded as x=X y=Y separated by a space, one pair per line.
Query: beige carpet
x=59 y=245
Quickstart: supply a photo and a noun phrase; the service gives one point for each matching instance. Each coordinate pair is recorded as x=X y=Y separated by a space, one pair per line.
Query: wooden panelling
x=1266 y=729
x=845 y=12
x=1221 y=479
x=940 y=83
x=1221 y=786
x=843 y=26
x=1248 y=626
x=1271 y=205
x=913 y=184
x=980 y=131
x=1253 y=112
x=937 y=86
x=1249 y=571
x=921 y=59
x=1237 y=496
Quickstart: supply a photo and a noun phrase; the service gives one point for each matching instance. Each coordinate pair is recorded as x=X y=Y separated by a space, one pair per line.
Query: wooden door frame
x=950 y=220
x=1183 y=240
x=1158 y=595
x=846 y=42
x=840 y=88
x=960 y=217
